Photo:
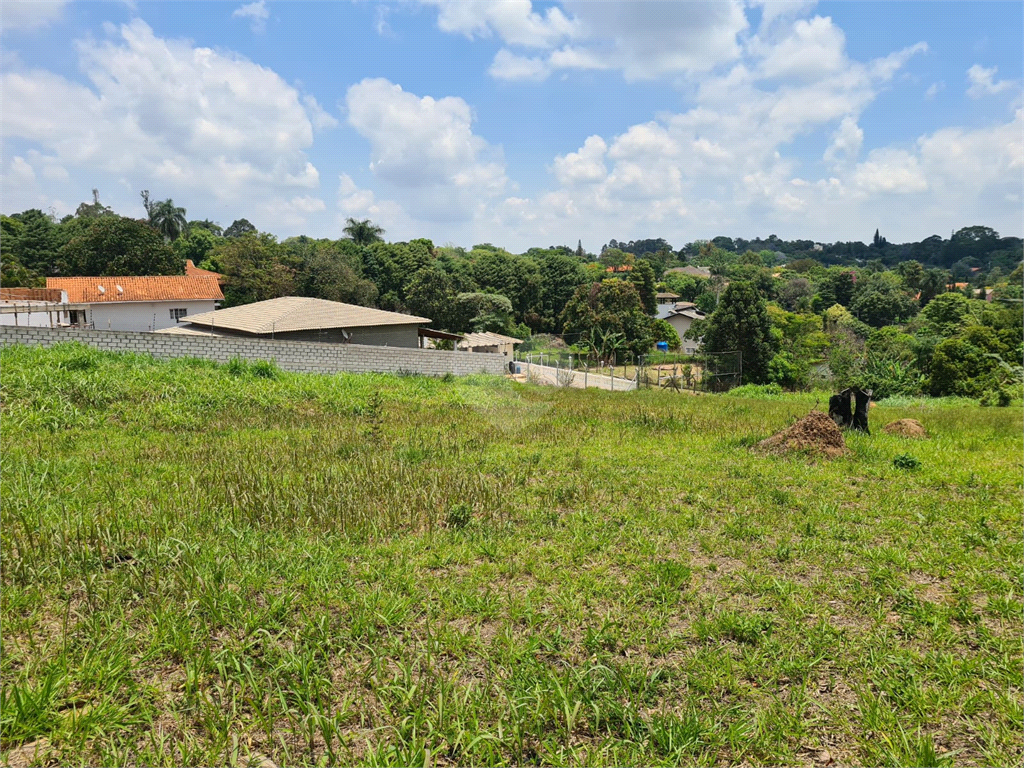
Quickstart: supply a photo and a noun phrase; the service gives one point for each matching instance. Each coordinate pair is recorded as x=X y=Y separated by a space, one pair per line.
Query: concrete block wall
x=296 y=356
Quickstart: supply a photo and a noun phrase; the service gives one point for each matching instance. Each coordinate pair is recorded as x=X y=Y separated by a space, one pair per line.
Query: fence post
x=612 y=371
x=586 y=370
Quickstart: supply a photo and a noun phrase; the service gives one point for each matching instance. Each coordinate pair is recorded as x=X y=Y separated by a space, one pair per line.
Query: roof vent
x=119 y=289
x=101 y=289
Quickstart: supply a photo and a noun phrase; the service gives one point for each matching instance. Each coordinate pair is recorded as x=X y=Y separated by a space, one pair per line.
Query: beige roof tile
x=299 y=313
x=486 y=339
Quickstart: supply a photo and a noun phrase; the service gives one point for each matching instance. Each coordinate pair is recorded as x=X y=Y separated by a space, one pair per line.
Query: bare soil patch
x=906 y=428
x=814 y=433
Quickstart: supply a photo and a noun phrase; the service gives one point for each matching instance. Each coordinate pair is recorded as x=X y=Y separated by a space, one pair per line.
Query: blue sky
x=522 y=123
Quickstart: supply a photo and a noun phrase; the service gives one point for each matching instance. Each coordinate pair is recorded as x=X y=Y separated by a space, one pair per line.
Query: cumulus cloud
x=725 y=165
x=21 y=171
x=321 y=118
x=983 y=82
x=169 y=116
x=511 y=66
x=30 y=14
x=846 y=141
x=812 y=48
x=642 y=40
x=514 y=21
x=425 y=149
x=257 y=13
x=584 y=166
x=890 y=170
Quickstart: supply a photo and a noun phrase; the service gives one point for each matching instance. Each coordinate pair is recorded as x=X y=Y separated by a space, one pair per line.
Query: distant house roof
x=665 y=296
x=299 y=313
x=687 y=309
x=487 y=339
x=692 y=271
x=94 y=290
x=191 y=270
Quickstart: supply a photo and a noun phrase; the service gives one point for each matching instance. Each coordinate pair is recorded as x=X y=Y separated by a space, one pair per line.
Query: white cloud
x=650 y=39
x=983 y=82
x=643 y=40
x=21 y=171
x=514 y=21
x=510 y=66
x=648 y=140
x=726 y=165
x=934 y=88
x=774 y=11
x=165 y=115
x=425 y=149
x=30 y=14
x=890 y=170
x=814 y=48
x=257 y=13
x=585 y=166
x=321 y=118
x=363 y=203
x=846 y=141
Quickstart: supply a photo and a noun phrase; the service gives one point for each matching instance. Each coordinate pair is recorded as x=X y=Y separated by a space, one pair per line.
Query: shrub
x=237 y=366
x=906 y=461
x=458 y=516
x=264 y=369
x=756 y=391
x=1000 y=397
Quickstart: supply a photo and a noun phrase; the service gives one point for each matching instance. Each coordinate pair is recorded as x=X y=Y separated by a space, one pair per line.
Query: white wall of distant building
x=31 y=317
x=142 y=315
x=682 y=324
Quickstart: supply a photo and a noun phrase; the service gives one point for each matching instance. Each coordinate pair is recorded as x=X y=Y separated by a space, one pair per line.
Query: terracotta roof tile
x=86 y=290
x=191 y=270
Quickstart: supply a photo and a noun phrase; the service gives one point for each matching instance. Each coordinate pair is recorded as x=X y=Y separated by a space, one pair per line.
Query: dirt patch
x=906 y=428
x=815 y=433
x=26 y=754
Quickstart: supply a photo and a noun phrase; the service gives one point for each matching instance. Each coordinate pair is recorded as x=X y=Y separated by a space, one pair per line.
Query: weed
x=459 y=516
x=906 y=461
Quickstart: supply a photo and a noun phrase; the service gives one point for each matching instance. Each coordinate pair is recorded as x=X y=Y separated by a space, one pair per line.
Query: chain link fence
x=663 y=370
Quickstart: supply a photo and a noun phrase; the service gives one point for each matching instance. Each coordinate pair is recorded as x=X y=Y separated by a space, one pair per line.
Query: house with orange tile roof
x=191 y=270
x=148 y=303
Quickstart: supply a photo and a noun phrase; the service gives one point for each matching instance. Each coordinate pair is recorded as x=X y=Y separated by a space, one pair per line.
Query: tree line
x=901 y=319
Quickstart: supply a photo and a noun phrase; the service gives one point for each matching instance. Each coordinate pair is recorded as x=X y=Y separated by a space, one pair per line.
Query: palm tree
x=165 y=217
x=363 y=232
x=168 y=219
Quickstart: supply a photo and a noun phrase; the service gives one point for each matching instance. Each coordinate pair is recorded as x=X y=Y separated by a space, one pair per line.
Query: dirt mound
x=814 y=433
x=906 y=428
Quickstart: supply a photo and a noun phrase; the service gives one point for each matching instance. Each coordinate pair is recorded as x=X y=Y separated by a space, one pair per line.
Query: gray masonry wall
x=297 y=356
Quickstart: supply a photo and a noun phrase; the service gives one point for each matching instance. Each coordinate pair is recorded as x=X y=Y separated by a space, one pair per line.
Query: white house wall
x=682 y=325
x=142 y=315
x=33 y=319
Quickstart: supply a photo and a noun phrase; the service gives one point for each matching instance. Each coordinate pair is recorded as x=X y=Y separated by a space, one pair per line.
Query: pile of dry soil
x=814 y=433
x=906 y=428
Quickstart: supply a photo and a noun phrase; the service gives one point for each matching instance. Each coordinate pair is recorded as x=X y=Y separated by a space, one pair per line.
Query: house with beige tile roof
x=148 y=303
x=489 y=342
x=299 y=318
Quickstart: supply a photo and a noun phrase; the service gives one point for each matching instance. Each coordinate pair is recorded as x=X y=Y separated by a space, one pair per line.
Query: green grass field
x=227 y=565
